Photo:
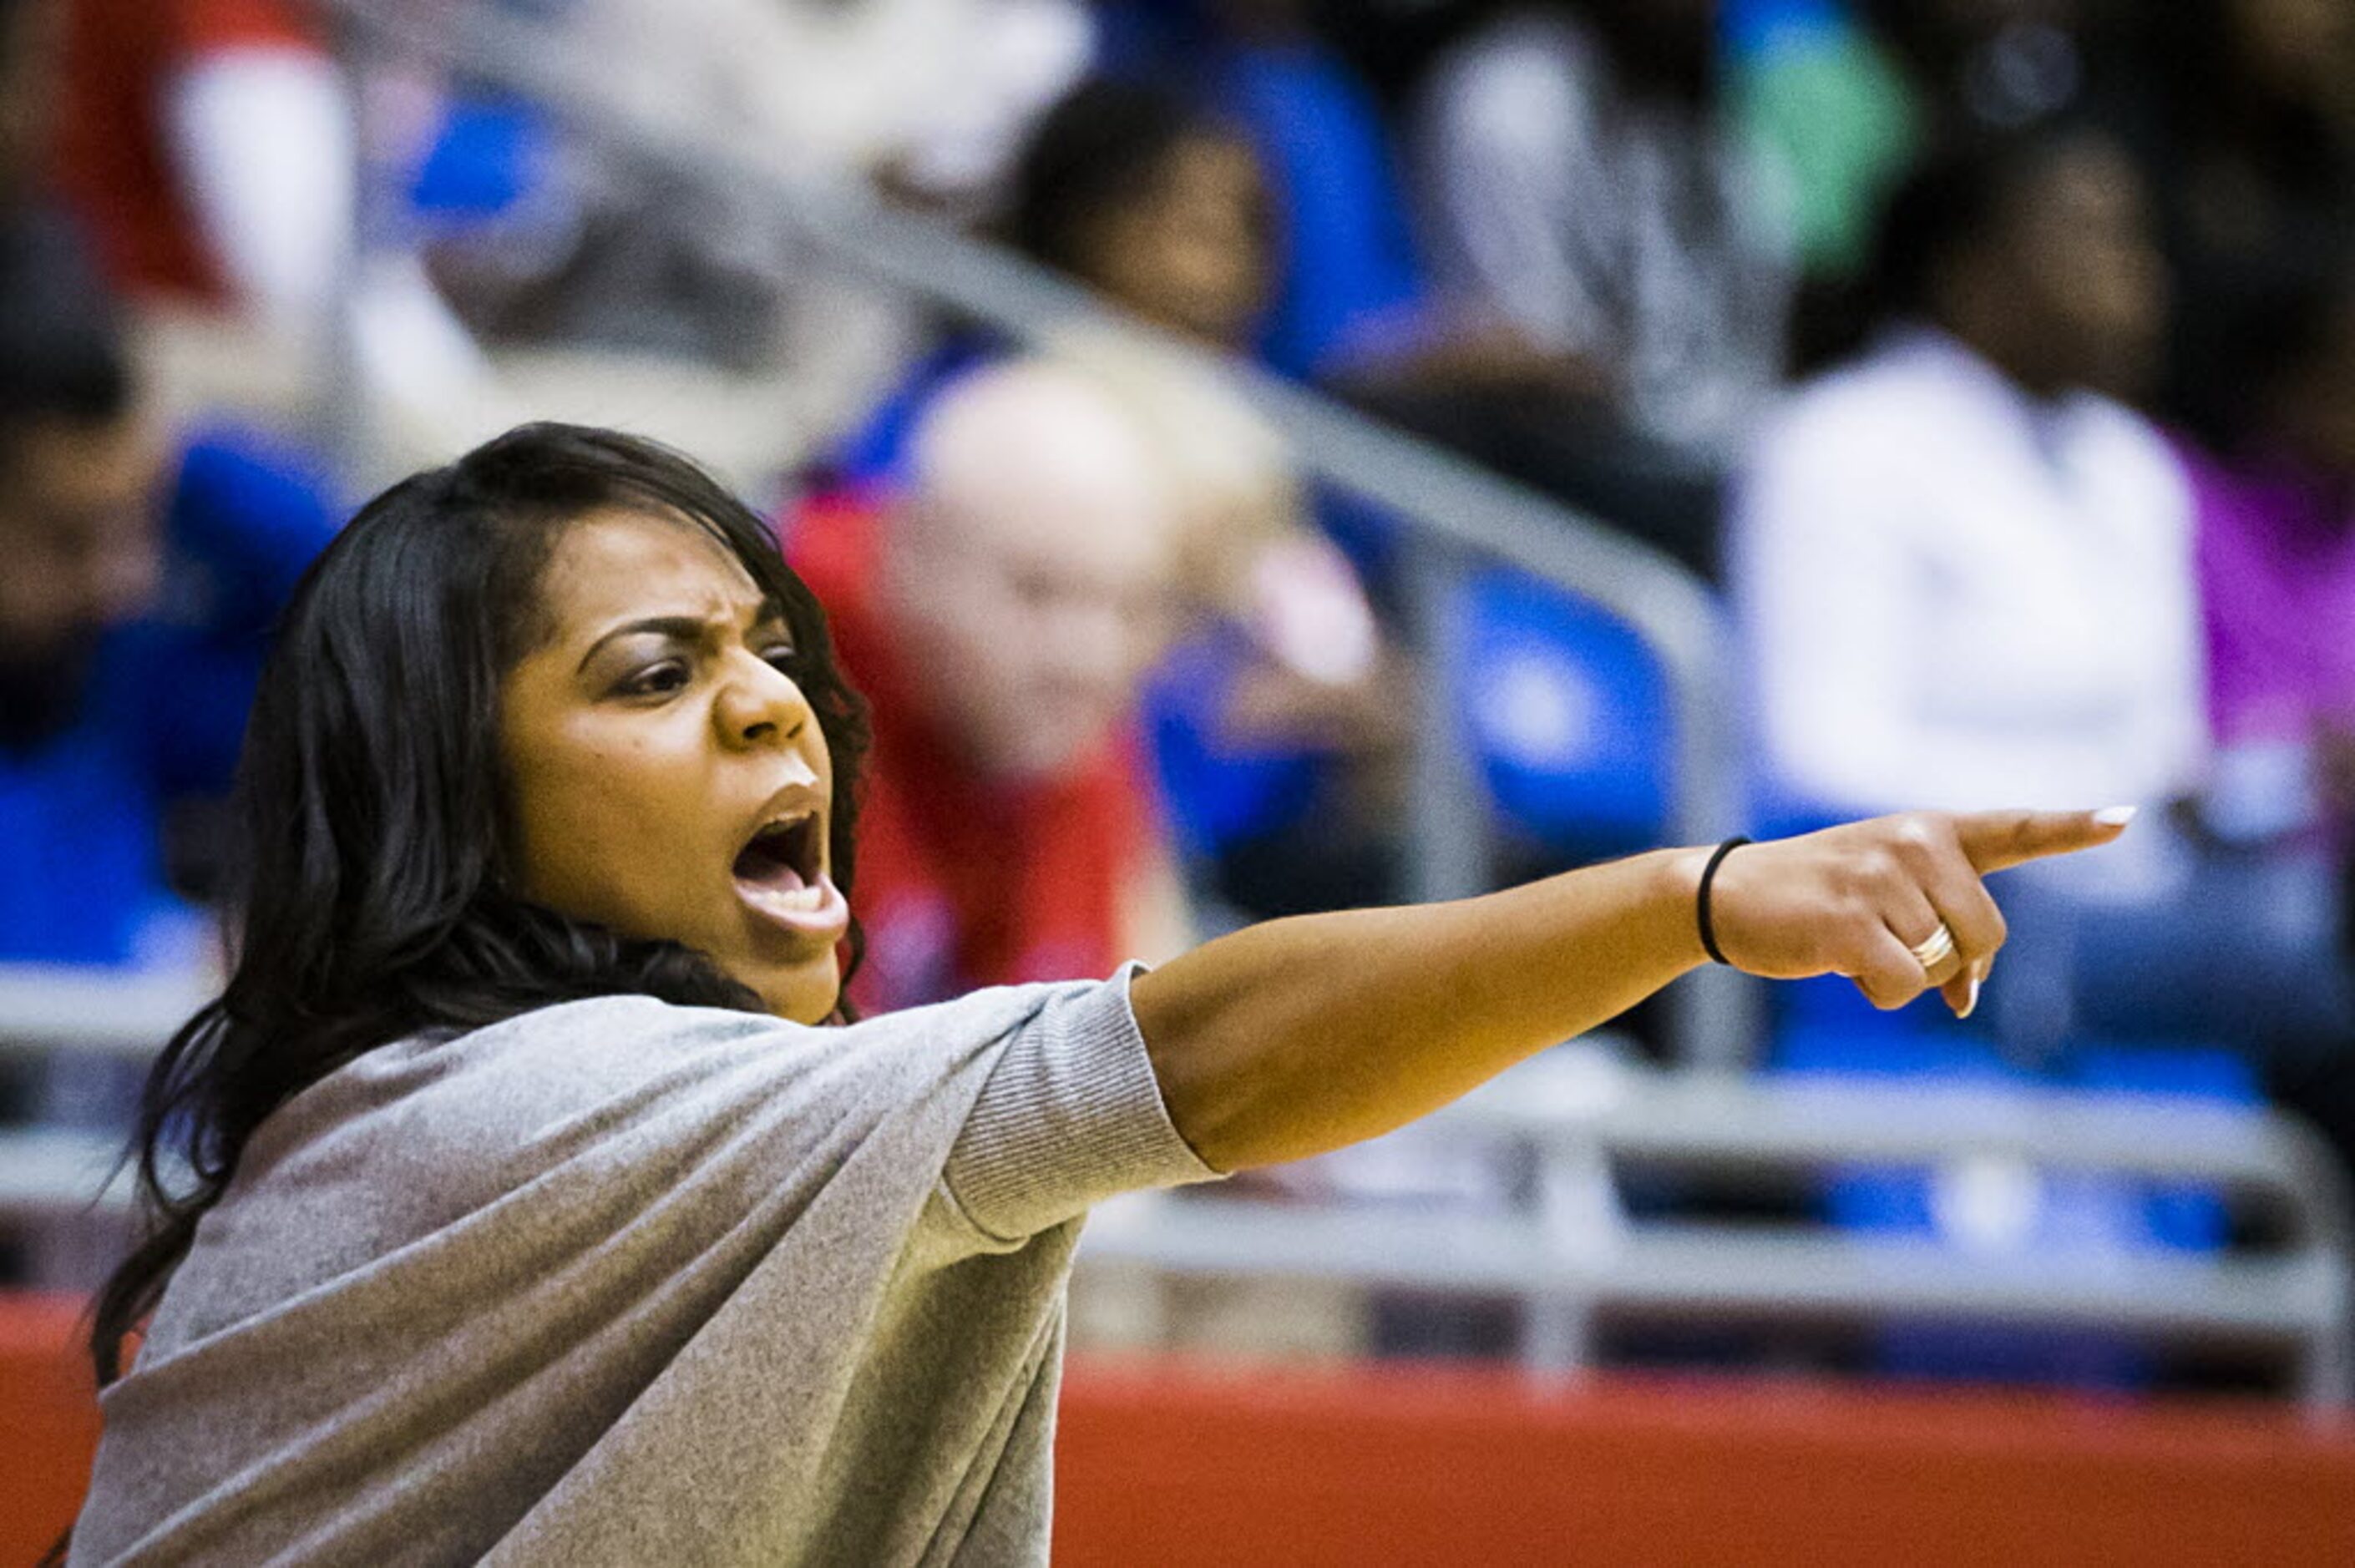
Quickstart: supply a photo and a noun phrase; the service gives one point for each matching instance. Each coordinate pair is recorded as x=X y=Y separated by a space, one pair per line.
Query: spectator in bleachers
x=1967 y=572
x=1841 y=97
x=1276 y=716
x=1158 y=206
x=2277 y=517
x=1579 y=177
x=998 y=606
x=1964 y=565
x=1348 y=304
x=932 y=97
x=2276 y=513
x=1351 y=292
x=1577 y=187
x=1348 y=300
x=206 y=146
x=1274 y=728
x=136 y=589
x=1275 y=743
x=1282 y=161
x=1186 y=212
x=2246 y=127
x=1163 y=208
x=209 y=151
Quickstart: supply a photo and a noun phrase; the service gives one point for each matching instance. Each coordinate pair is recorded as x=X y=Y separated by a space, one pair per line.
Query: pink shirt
x=2276 y=552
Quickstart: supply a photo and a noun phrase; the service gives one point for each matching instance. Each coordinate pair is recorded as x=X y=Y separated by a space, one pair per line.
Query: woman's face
x=667 y=777
x=2084 y=273
x=1193 y=252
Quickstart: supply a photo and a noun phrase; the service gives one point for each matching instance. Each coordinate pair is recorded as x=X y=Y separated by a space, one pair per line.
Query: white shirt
x=943 y=89
x=1959 y=596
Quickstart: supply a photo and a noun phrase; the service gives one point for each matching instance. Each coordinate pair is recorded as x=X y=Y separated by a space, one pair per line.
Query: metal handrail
x=56 y=1173
x=1460 y=512
x=93 y=1010
x=1574 y=1255
x=1644 y=1113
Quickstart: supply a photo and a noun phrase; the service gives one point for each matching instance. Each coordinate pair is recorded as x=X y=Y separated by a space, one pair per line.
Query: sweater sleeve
x=1072 y=1115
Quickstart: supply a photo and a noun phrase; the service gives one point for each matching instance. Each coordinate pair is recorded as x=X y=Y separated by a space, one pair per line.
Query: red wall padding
x=1160 y=1464
x=48 y=1422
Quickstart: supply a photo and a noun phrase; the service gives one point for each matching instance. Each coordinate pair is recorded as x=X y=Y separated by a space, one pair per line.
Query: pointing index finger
x=1993 y=841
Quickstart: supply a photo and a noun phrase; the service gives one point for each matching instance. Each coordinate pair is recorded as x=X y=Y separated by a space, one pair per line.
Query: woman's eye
x=656 y=679
x=783 y=656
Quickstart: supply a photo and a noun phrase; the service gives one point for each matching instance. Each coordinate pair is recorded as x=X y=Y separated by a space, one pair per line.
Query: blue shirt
x=1350 y=271
x=162 y=716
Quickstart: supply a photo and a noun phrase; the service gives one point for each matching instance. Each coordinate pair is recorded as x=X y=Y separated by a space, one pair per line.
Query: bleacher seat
x=1567 y=714
x=489 y=155
x=1219 y=793
x=2183 y=1216
x=2011 y=1214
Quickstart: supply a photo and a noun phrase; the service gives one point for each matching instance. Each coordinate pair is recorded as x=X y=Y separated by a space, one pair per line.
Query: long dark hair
x=375 y=896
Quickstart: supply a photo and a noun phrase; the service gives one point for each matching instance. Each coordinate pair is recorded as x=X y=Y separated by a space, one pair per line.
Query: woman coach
x=526 y=1195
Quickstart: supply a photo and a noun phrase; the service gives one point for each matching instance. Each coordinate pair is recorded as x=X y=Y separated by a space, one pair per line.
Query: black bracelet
x=1700 y=900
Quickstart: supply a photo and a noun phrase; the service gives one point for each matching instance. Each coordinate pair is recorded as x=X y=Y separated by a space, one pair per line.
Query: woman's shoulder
x=449 y=1111
x=584 y=1043
x=625 y=1056
x=636 y=1033
x=489 y=1084
x=581 y=1052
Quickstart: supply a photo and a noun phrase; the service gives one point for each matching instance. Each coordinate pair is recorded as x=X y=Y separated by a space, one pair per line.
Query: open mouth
x=781 y=857
x=780 y=874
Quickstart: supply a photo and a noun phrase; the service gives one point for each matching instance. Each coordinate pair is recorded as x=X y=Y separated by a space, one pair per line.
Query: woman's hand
x=1860 y=899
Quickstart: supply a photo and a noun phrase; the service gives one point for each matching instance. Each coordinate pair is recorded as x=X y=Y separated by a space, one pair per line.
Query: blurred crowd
x=1993 y=359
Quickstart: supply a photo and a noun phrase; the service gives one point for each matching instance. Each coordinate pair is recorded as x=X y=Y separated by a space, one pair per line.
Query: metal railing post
x=1449 y=852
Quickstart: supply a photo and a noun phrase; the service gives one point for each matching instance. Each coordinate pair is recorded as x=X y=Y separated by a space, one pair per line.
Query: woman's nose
x=761 y=704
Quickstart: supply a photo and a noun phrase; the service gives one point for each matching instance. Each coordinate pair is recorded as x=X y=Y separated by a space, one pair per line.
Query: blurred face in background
x=80 y=535
x=2075 y=273
x=2315 y=408
x=28 y=40
x=1193 y=251
x=2299 y=50
x=1028 y=573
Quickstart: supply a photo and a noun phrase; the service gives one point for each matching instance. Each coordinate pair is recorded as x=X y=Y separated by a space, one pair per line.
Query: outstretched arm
x=1302 y=1036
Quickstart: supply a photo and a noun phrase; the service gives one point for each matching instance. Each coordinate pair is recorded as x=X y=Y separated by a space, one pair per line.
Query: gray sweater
x=619 y=1282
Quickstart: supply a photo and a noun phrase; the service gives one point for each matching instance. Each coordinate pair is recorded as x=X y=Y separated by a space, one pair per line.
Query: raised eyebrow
x=768 y=617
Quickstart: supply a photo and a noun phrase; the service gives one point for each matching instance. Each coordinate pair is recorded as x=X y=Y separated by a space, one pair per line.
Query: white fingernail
x=2116 y=816
x=1970 y=997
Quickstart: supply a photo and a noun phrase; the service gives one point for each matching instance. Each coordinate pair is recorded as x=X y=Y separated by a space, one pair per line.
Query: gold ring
x=1935 y=948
